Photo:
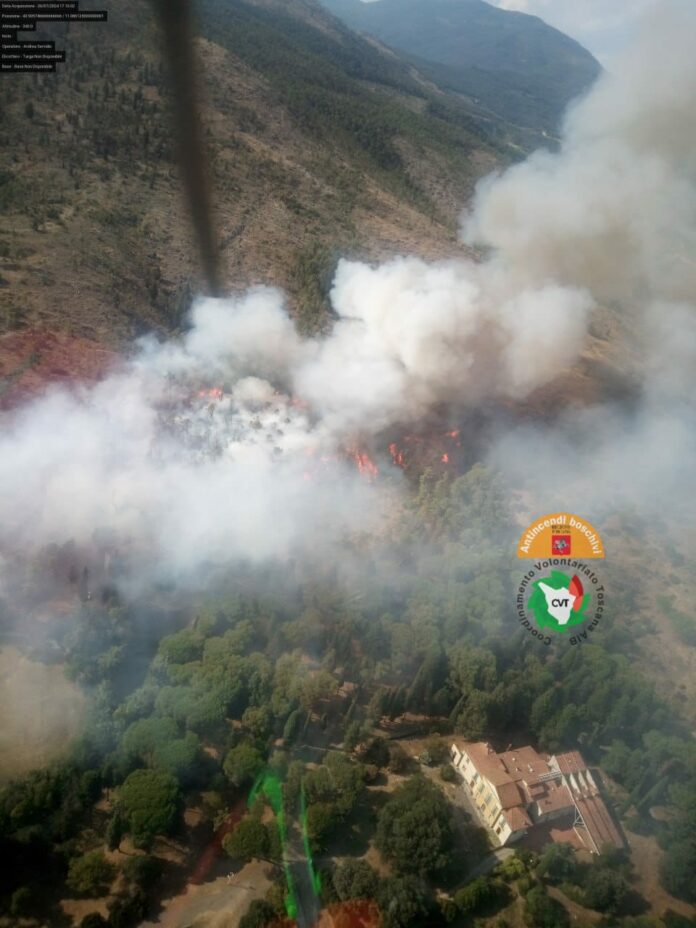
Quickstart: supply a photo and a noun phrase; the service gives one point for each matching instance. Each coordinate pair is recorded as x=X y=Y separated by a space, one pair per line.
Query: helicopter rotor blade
x=176 y=20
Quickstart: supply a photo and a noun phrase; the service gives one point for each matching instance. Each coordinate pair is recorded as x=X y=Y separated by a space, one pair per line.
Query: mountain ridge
x=515 y=64
x=317 y=142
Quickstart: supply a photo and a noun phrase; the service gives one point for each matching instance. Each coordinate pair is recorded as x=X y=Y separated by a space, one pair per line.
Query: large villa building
x=520 y=790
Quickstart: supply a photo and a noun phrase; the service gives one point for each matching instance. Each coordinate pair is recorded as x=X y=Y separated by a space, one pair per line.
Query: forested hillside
x=317 y=142
x=322 y=687
x=514 y=64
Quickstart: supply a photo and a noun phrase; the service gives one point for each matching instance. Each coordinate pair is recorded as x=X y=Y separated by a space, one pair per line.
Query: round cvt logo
x=560 y=597
x=559 y=602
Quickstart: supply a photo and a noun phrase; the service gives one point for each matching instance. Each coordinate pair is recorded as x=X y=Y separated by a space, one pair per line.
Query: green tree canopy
x=322 y=819
x=143 y=871
x=414 y=828
x=605 y=890
x=558 y=863
x=180 y=757
x=243 y=764
x=94 y=920
x=258 y=721
x=403 y=902
x=249 y=839
x=355 y=879
x=476 y=894
x=541 y=911
x=144 y=737
x=182 y=647
x=90 y=874
x=259 y=914
x=150 y=803
x=677 y=870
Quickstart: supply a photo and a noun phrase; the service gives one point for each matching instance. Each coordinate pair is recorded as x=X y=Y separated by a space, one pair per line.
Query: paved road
x=307 y=902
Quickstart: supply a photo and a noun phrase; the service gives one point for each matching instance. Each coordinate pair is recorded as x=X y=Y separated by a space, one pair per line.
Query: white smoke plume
x=181 y=455
x=616 y=214
x=233 y=442
x=410 y=335
x=614 y=211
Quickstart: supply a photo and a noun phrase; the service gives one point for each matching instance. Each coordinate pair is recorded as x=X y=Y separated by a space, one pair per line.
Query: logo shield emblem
x=560 y=545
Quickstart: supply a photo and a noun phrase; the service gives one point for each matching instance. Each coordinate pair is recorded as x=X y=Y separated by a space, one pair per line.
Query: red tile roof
x=524 y=763
x=554 y=799
x=509 y=795
x=598 y=822
x=571 y=762
x=517 y=818
x=509 y=767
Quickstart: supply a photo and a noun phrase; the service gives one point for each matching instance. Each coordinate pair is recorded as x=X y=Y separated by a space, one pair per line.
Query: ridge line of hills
x=511 y=63
x=320 y=142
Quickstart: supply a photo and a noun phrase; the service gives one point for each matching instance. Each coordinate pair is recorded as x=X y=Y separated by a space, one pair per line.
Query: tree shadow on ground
x=471 y=846
x=634 y=904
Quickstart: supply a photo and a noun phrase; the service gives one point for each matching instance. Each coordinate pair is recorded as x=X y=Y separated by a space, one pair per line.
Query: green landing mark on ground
x=316 y=879
x=270 y=785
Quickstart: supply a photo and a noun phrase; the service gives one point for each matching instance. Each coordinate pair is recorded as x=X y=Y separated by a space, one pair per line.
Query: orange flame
x=410 y=449
x=215 y=393
x=398 y=455
x=366 y=466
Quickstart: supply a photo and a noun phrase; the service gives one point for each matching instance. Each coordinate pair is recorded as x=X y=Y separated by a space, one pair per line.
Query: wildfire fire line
x=432 y=448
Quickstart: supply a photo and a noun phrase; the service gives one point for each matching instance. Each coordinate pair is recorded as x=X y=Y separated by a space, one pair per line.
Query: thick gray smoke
x=236 y=441
x=615 y=214
x=241 y=440
x=184 y=455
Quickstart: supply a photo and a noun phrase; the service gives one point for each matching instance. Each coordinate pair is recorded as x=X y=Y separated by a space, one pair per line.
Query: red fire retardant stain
x=33 y=359
x=214 y=850
x=359 y=913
